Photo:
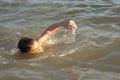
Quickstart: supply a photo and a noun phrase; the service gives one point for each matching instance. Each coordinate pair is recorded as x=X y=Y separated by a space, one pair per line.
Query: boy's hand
x=70 y=24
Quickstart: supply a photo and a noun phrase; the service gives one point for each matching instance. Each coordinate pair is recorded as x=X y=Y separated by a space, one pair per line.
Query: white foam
x=73 y=31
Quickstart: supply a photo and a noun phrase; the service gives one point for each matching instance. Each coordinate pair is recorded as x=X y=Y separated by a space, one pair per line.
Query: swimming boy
x=27 y=45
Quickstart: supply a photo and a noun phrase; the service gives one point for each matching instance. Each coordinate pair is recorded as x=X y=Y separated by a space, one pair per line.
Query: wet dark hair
x=24 y=44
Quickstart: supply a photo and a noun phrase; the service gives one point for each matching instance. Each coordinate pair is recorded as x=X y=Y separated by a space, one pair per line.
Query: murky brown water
x=93 y=53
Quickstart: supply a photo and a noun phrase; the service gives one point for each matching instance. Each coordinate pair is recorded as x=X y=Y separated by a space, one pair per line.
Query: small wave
x=102 y=20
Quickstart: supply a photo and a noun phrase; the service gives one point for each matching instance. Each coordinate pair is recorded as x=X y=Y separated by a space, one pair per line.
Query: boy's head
x=26 y=44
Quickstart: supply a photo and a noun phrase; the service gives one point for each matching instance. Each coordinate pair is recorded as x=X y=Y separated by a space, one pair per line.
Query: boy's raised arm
x=70 y=24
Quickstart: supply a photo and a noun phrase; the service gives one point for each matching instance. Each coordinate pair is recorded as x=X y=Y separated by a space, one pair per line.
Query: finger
x=75 y=26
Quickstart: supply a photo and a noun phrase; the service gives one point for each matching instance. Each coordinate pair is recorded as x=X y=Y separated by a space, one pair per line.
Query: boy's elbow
x=48 y=32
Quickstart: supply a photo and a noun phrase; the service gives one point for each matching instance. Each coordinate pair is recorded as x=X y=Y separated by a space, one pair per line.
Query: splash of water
x=69 y=36
x=74 y=31
x=74 y=35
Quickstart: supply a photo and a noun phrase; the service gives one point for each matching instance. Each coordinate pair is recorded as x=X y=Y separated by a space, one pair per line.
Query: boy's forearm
x=49 y=31
x=54 y=27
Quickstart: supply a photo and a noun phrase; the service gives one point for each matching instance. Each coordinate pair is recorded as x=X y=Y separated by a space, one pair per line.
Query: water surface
x=92 y=53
